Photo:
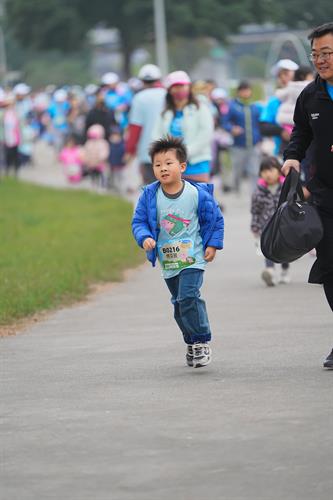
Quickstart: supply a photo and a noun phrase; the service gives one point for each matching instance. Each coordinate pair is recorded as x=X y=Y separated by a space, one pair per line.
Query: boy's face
x=167 y=168
x=271 y=176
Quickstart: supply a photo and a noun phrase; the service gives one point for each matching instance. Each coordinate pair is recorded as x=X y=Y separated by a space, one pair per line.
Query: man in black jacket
x=313 y=119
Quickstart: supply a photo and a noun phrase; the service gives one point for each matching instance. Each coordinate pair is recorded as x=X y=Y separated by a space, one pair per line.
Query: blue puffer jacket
x=236 y=116
x=144 y=223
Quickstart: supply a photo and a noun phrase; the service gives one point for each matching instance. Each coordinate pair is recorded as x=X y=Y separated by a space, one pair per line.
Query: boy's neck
x=173 y=188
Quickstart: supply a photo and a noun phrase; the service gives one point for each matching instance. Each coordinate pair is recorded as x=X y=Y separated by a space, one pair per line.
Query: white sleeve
x=136 y=116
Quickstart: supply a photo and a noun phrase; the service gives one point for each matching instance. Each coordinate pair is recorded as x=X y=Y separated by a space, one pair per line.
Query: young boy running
x=180 y=223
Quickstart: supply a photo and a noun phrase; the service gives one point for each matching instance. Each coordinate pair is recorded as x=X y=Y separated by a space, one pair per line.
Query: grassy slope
x=53 y=244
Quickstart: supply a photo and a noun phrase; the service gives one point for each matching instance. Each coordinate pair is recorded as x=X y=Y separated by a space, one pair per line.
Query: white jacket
x=198 y=129
x=288 y=97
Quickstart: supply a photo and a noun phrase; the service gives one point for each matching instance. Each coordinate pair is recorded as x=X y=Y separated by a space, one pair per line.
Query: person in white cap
x=115 y=100
x=23 y=100
x=187 y=117
x=58 y=111
x=283 y=71
x=11 y=133
x=24 y=107
x=146 y=107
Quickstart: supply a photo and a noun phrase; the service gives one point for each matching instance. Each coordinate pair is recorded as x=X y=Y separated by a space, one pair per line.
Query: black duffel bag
x=295 y=228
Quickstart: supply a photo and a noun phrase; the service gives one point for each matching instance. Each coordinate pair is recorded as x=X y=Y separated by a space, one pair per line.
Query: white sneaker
x=198 y=355
x=285 y=276
x=268 y=276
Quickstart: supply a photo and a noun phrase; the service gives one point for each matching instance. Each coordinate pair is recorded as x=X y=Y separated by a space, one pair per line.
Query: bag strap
x=291 y=188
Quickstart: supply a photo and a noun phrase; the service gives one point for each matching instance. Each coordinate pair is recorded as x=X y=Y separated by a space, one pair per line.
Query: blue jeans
x=189 y=310
x=270 y=263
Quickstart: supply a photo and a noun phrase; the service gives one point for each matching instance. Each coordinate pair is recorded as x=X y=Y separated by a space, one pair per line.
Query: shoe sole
x=284 y=281
x=328 y=366
x=267 y=278
x=201 y=364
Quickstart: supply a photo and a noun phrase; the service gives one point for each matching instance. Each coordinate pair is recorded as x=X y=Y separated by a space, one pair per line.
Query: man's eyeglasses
x=324 y=56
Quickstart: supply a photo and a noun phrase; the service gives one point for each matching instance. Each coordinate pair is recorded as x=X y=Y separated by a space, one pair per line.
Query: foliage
x=56 y=68
x=50 y=24
x=303 y=13
x=55 y=243
x=251 y=66
x=47 y=24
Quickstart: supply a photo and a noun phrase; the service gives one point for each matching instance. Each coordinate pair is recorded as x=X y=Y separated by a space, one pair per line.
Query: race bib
x=176 y=254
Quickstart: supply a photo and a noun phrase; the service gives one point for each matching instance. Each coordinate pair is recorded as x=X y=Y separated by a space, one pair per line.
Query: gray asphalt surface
x=97 y=403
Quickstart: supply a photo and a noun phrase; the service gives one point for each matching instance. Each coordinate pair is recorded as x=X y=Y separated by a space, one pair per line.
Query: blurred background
x=64 y=42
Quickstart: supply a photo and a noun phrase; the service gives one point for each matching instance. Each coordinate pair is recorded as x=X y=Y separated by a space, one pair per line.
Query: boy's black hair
x=319 y=31
x=165 y=144
x=269 y=162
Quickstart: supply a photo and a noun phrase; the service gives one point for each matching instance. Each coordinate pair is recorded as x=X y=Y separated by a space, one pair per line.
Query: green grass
x=54 y=244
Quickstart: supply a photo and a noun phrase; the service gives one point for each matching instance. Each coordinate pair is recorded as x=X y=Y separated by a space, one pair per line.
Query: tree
x=63 y=24
x=133 y=18
x=46 y=24
x=304 y=13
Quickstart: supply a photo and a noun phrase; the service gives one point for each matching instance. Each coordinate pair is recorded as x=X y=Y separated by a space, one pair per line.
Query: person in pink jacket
x=71 y=158
x=95 y=153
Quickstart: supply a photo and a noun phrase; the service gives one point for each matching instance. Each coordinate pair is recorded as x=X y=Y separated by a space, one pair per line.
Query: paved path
x=97 y=403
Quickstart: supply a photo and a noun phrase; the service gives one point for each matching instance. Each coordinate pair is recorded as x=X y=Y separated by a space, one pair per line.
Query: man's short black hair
x=165 y=144
x=322 y=30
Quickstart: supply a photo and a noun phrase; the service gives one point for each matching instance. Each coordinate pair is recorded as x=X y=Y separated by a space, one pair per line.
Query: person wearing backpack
x=313 y=120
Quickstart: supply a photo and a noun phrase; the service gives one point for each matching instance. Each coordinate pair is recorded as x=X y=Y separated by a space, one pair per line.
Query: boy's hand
x=149 y=244
x=209 y=254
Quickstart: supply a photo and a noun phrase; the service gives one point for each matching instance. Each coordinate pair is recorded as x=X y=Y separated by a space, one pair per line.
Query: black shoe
x=328 y=363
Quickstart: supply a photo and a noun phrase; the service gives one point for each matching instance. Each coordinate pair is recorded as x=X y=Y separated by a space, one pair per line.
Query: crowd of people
x=223 y=134
x=98 y=130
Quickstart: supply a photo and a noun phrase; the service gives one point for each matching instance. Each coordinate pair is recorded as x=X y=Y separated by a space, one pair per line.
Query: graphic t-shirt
x=179 y=243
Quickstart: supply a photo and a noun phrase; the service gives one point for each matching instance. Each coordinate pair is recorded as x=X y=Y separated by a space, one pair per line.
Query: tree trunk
x=127 y=51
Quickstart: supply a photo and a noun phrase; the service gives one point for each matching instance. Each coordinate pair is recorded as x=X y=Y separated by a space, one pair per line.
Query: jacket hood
x=262 y=183
x=152 y=188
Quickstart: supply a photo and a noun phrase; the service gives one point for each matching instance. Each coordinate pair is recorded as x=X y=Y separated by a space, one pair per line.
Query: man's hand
x=306 y=193
x=209 y=254
x=288 y=164
x=149 y=244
